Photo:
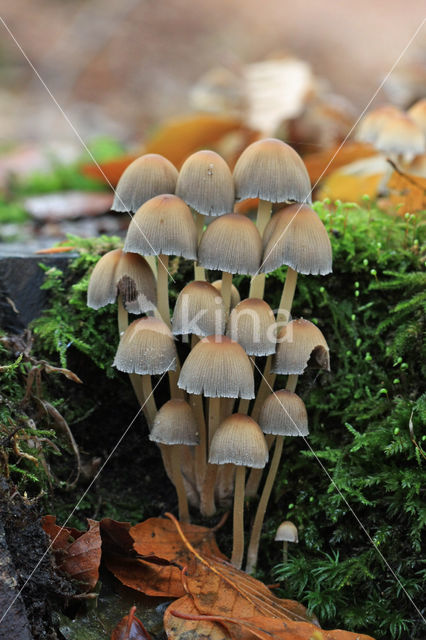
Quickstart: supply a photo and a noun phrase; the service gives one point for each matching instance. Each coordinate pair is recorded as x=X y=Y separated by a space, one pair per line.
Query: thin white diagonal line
x=77 y=134
x=119 y=441
x=387 y=76
x=361 y=525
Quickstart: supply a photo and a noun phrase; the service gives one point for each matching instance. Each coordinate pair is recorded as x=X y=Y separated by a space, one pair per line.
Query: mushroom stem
x=226 y=290
x=196 y=403
x=253 y=547
x=199 y=272
x=238 y=531
x=176 y=460
x=285 y=552
x=175 y=391
x=207 y=504
x=266 y=384
x=152 y=263
x=208 y=507
x=283 y=314
x=243 y=405
x=163 y=288
x=257 y=284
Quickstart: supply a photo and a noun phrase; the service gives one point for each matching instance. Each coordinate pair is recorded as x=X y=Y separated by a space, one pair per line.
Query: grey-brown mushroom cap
x=235 y=294
x=231 y=243
x=175 y=424
x=146 y=347
x=298 y=240
x=287 y=532
x=240 y=441
x=271 y=170
x=148 y=176
x=252 y=324
x=127 y=274
x=297 y=342
x=199 y=310
x=217 y=367
x=284 y=414
x=205 y=183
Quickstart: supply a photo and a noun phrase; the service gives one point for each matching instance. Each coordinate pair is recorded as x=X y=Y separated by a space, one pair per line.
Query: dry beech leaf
x=179 y=628
x=407 y=192
x=77 y=553
x=130 y=628
x=322 y=163
x=158 y=538
x=108 y=172
x=177 y=138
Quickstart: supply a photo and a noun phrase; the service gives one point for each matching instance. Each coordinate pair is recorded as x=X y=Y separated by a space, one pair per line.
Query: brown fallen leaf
x=51 y=250
x=259 y=627
x=178 y=137
x=108 y=172
x=323 y=163
x=227 y=596
x=130 y=628
x=407 y=192
x=78 y=553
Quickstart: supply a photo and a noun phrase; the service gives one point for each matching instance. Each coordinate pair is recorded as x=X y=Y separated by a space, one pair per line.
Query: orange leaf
x=150 y=579
x=78 y=553
x=55 y=250
x=407 y=190
x=322 y=163
x=108 y=172
x=178 y=628
x=158 y=538
x=130 y=628
x=177 y=138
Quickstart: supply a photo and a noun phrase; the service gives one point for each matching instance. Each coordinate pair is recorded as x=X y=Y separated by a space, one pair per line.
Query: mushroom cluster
x=222 y=416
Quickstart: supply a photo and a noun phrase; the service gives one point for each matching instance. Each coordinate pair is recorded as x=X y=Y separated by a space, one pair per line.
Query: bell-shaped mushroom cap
x=299 y=240
x=146 y=177
x=205 y=183
x=126 y=273
x=271 y=170
x=239 y=440
x=199 y=310
x=418 y=113
x=373 y=122
x=284 y=414
x=231 y=243
x=287 y=532
x=296 y=343
x=217 y=367
x=252 y=324
x=401 y=135
x=164 y=224
x=175 y=423
x=235 y=294
x=146 y=347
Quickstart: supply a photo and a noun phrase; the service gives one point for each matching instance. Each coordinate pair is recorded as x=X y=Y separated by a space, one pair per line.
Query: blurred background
x=118 y=67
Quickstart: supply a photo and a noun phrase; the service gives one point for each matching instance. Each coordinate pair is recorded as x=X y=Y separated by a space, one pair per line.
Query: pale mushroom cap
x=271 y=170
x=299 y=240
x=205 y=183
x=136 y=283
x=231 y=243
x=199 y=310
x=165 y=225
x=102 y=289
x=235 y=294
x=146 y=347
x=175 y=423
x=126 y=273
x=373 y=122
x=239 y=440
x=401 y=135
x=284 y=414
x=252 y=324
x=418 y=113
x=296 y=342
x=146 y=177
x=217 y=367
x=287 y=532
